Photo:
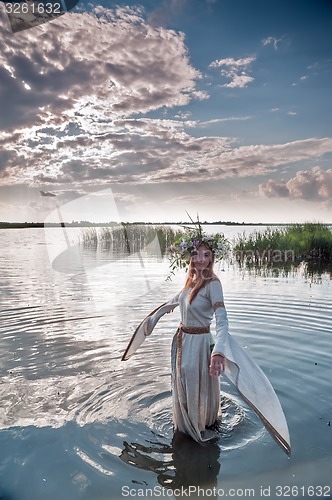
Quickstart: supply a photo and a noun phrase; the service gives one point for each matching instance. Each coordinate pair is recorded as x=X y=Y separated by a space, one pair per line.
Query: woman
x=196 y=362
x=195 y=371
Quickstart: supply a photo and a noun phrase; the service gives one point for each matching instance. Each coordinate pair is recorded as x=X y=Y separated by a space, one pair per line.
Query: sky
x=158 y=108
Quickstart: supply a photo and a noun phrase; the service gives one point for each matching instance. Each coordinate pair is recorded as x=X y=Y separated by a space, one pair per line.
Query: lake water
x=77 y=423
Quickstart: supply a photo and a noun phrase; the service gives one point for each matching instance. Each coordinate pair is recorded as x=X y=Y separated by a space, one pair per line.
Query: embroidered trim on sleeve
x=218 y=304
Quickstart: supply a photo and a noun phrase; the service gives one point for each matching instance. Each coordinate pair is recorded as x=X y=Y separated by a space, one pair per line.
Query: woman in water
x=198 y=361
x=195 y=370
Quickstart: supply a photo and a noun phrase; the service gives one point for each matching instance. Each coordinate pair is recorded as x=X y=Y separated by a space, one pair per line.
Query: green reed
x=129 y=238
x=311 y=241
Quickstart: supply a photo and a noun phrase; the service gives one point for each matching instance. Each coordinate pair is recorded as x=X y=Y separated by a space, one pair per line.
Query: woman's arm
x=217 y=301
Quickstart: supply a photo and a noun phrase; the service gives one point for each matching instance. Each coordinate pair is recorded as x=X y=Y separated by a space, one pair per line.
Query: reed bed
x=129 y=238
x=89 y=236
x=295 y=243
x=276 y=249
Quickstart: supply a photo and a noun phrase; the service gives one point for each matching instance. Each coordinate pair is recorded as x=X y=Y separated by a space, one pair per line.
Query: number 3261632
x=33 y=8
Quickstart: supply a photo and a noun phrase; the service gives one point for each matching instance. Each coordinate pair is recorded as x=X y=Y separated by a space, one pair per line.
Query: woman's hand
x=216 y=365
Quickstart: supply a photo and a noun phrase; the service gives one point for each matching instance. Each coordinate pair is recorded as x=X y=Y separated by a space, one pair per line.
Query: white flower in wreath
x=183 y=246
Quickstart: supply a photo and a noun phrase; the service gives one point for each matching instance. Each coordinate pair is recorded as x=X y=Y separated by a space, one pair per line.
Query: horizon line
x=178 y=223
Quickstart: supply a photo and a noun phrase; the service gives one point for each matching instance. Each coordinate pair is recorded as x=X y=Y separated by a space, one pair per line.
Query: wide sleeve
x=146 y=327
x=152 y=319
x=217 y=302
x=246 y=375
x=174 y=300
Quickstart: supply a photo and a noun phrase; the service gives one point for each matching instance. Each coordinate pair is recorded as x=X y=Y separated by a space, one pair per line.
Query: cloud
x=143 y=150
x=76 y=108
x=236 y=70
x=131 y=67
x=289 y=113
x=312 y=185
x=314 y=70
x=222 y=120
x=274 y=189
x=271 y=40
x=234 y=63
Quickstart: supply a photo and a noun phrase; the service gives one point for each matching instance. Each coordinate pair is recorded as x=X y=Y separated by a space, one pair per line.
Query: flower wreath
x=189 y=241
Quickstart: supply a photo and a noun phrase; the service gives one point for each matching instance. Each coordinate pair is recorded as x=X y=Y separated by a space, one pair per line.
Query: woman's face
x=201 y=258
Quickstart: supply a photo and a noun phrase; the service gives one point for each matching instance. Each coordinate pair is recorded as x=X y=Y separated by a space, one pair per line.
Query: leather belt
x=194 y=330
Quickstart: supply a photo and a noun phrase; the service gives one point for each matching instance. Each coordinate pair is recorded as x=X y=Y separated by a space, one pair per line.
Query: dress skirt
x=195 y=393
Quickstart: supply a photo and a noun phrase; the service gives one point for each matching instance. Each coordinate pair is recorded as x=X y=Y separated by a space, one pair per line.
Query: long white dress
x=195 y=393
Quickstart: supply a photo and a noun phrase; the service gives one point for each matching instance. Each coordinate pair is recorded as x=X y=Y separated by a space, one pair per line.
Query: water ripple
x=60 y=366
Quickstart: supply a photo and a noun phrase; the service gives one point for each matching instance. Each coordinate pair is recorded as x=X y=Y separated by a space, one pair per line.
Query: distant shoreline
x=26 y=225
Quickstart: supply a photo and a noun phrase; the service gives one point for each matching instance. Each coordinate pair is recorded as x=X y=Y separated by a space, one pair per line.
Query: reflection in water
x=313 y=271
x=68 y=403
x=185 y=463
x=194 y=465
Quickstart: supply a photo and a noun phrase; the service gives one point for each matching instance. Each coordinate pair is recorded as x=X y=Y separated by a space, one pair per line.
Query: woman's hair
x=203 y=278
